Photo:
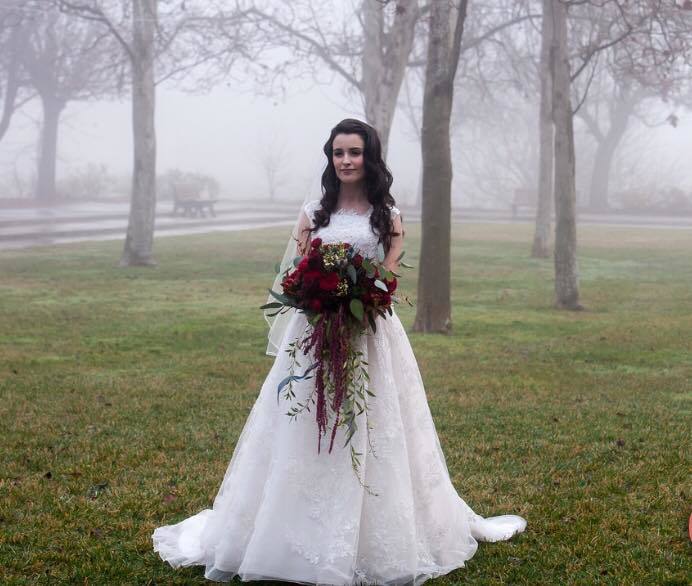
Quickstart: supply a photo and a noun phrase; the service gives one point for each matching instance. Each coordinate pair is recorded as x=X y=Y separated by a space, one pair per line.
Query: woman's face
x=347 y=157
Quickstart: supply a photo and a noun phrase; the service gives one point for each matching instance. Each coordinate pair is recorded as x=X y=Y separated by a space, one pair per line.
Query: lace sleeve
x=310 y=208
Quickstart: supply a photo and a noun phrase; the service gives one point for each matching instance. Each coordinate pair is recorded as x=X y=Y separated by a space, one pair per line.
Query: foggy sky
x=224 y=133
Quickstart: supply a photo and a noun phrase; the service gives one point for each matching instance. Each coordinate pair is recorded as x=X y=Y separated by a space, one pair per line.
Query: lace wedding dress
x=283 y=512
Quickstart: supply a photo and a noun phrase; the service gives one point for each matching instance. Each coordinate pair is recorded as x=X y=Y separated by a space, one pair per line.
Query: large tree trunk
x=434 y=310
x=544 y=208
x=566 y=271
x=140 y=230
x=385 y=57
x=48 y=148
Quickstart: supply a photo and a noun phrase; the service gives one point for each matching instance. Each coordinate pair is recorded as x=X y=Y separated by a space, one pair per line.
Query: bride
x=285 y=512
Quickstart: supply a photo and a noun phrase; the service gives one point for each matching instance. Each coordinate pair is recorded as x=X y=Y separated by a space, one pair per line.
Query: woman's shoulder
x=394 y=211
x=310 y=207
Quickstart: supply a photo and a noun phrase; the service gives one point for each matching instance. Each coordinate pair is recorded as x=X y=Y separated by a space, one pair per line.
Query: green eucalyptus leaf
x=380 y=252
x=280 y=297
x=356 y=307
x=380 y=285
x=351 y=272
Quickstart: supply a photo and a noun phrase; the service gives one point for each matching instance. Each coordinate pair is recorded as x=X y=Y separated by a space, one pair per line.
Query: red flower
x=315 y=304
x=315 y=260
x=316 y=243
x=357 y=261
x=311 y=277
x=391 y=285
x=329 y=282
x=303 y=264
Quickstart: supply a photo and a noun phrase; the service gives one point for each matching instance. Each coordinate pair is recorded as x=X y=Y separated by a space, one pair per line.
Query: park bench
x=523 y=198
x=188 y=198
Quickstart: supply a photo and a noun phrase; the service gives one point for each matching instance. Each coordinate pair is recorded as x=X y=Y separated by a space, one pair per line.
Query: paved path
x=24 y=227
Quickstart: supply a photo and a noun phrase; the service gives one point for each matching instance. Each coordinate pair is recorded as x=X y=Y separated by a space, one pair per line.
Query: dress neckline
x=353 y=212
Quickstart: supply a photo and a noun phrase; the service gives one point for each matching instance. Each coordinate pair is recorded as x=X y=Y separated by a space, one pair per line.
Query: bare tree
x=14 y=28
x=385 y=57
x=624 y=85
x=272 y=158
x=620 y=106
x=544 y=200
x=566 y=270
x=369 y=49
x=434 y=310
x=65 y=60
x=655 y=36
x=147 y=39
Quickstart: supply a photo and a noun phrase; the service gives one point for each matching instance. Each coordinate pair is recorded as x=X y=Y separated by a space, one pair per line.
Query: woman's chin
x=351 y=179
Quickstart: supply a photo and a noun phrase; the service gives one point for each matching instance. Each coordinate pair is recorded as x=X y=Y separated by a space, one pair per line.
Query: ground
x=123 y=392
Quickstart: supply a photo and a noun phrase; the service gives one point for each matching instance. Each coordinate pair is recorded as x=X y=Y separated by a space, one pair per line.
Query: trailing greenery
x=123 y=392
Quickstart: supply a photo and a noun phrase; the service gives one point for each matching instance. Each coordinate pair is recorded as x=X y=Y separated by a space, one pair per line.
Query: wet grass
x=123 y=392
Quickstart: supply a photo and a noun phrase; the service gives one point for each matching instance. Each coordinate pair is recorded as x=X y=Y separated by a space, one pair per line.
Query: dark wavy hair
x=378 y=180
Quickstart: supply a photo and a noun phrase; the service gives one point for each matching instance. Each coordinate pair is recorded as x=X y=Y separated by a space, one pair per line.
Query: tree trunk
x=140 y=230
x=385 y=57
x=600 y=176
x=620 y=113
x=12 y=82
x=433 y=310
x=544 y=208
x=566 y=270
x=48 y=148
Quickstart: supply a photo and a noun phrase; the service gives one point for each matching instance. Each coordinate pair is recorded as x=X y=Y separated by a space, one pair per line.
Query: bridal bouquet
x=341 y=293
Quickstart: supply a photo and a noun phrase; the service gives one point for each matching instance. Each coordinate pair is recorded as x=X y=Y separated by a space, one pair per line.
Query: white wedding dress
x=283 y=512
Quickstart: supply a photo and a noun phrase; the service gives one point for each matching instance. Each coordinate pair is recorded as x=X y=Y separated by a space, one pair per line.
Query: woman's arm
x=396 y=247
x=304 y=236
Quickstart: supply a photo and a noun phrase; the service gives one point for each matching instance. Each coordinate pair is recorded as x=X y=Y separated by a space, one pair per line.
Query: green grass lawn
x=123 y=392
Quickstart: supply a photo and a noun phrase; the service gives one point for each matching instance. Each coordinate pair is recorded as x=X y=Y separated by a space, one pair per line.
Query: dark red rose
x=303 y=264
x=315 y=260
x=316 y=243
x=391 y=285
x=357 y=261
x=311 y=277
x=329 y=282
x=315 y=304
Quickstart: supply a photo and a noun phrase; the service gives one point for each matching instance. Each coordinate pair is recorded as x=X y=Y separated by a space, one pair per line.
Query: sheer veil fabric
x=279 y=323
x=283 y=512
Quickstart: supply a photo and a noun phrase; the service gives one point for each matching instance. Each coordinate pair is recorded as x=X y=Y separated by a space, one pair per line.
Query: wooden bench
x=188 y=198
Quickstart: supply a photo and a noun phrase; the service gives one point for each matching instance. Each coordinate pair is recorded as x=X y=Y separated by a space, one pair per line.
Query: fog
x=261 y=143
x=226 y=134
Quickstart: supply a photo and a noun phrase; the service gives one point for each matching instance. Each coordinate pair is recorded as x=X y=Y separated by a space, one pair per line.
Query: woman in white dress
x=285 y=512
